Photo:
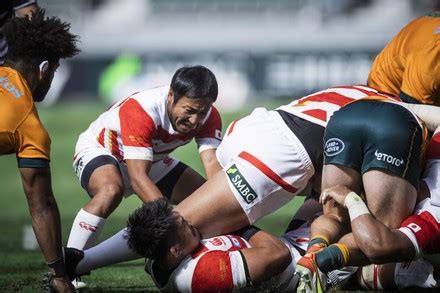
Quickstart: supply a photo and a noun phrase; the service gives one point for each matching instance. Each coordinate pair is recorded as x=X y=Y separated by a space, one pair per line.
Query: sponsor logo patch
x=240 y=184
x=333 y=146
x=388 y=159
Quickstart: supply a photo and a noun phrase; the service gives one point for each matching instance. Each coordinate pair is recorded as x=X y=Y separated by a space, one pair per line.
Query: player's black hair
x=36 y=38
x=150 y=227
x=194 y=82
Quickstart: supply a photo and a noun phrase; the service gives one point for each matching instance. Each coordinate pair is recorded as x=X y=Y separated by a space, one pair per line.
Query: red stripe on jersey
x=426 y=229
x=267 y=171
x=231 y=127
x=213 y=270
x=101 y=137
x=317 y=113
x=329 y=97
x=433 y=151
x=137 y=127
x=375 y=277
x=114 y=145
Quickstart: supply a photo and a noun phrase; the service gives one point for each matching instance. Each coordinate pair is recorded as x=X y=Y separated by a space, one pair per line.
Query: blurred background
x=258 y=49
x=262 y=52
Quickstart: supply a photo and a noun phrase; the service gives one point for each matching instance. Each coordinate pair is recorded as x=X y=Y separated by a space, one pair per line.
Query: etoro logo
x=333 y=146
x=240 y=184
x=388 y=159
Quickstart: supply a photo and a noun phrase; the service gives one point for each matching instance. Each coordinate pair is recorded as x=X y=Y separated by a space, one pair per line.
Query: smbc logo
x=240 y=184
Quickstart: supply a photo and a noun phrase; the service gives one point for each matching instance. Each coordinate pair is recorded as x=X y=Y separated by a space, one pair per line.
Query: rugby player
x=409 y=65
x=417 y=237
x=126 y=150
x=375 y=146
x=179 y=260
x=36 y=44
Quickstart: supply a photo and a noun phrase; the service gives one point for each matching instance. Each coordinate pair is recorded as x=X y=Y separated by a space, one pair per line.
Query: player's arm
x=208 y=139
x=140 y=182
x=267 y=257
x=137 y=131
x=379 y=243
x=428 y=113
x=210 y=163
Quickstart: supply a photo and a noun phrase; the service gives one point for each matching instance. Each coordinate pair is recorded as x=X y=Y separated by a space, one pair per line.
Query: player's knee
x=110 y=194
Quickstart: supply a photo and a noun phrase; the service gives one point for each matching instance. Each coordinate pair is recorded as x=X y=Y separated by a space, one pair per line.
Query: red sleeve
x=137 y=127
x=433 y=151
x=213 y=270
x=212 y=128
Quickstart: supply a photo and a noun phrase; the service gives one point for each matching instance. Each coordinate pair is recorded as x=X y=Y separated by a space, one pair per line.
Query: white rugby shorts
x=86 y=150
x=265 y=163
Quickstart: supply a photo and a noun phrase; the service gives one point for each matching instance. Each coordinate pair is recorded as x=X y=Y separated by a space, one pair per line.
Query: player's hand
x=338 y=193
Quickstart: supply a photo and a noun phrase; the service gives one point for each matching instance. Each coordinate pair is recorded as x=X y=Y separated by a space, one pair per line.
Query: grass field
x=22 y=270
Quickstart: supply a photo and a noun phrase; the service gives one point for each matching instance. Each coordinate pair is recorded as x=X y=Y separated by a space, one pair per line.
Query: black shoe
x=72 y=257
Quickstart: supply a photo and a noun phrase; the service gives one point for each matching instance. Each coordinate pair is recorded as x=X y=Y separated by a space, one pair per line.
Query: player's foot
x=72 y=257
x=311 y=280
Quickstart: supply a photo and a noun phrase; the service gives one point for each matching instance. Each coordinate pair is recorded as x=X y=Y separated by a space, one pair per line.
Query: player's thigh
x=98 y=171
x=213 y=208
x=389 y=198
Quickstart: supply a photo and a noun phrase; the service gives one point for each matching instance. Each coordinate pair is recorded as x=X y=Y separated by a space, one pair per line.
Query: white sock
x=111 y=251
x=85 y=230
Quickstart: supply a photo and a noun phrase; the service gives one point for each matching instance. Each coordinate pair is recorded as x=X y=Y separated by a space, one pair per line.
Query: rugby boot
x=311 y=279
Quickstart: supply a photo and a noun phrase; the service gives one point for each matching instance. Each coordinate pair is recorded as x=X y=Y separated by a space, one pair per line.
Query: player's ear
x=175 y=251
x=170 y=97
x=43 y=67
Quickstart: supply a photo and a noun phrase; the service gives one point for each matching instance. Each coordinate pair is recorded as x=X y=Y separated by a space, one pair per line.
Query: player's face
x=187 y=114
x=44 y=84
x=188 y=237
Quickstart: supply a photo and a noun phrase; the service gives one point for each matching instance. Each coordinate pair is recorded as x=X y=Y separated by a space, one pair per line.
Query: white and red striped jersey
x=139 y=127
x=423 y=228
x=217 y=265
x=320 y=106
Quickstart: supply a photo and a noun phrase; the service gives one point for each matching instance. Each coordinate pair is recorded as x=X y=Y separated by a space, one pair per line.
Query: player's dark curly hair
x=149 y=229
x=194 y=82
x=36 y=38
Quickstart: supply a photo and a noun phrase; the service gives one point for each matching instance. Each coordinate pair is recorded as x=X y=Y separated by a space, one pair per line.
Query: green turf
x=22 y=270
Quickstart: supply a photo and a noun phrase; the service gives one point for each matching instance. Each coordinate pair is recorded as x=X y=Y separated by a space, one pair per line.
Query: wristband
x=355 y=205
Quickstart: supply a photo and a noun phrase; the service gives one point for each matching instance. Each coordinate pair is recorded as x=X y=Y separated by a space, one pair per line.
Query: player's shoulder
x=16 y=99
x=152 y=100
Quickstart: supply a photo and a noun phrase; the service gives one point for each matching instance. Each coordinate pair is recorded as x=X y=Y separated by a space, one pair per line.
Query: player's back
x=409 y=62
x=15 y=105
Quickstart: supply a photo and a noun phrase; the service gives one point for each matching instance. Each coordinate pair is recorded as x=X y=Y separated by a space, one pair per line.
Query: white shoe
x=78 y=284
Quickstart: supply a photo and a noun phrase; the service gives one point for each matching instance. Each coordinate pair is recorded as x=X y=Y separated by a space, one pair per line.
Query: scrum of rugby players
x=372 y=164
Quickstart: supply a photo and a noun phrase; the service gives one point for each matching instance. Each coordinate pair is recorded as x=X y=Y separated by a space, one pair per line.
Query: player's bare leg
x=213 y=208
x=188 y=182
x=106 y=189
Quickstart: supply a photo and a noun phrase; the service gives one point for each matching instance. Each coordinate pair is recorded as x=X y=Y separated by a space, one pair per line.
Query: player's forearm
x=267 y=258
x=379 y=243
x=43 y=210
x=145 y=189
x=210 y=163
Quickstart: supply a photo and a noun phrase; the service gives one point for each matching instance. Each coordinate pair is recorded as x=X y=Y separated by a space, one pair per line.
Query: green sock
x=318 y=239
x=332 y=258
